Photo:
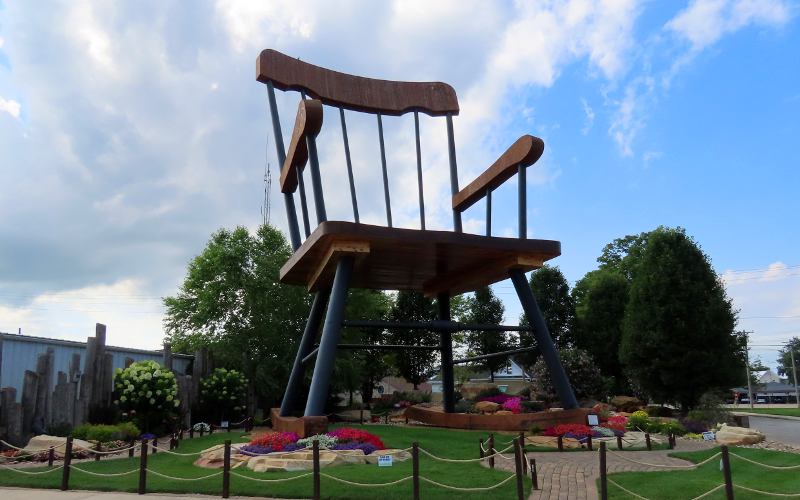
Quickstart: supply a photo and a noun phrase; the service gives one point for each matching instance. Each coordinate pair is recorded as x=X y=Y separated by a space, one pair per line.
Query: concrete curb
x=766 y=415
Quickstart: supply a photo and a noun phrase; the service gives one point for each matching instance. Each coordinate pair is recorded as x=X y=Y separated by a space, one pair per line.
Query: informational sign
x=592 y=420
x=384 y=460
x=224 y=424
x=709 y=436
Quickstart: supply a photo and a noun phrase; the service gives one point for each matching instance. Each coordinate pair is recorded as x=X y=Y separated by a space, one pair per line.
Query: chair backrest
x=346 y=92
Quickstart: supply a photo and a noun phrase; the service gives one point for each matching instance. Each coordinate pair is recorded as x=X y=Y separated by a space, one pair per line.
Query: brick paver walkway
x=573 y=475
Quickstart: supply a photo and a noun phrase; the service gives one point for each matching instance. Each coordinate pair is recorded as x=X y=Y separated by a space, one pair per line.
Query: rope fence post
x=534 y=474
x=180 y=435
x=315 y=455
x=226 y=470
x=491 y=451
x=415 y=468
x=726 y=471
x=560 y=443
x=211 y=429
x=619 y=443
x=143 y=467
x=603 y=472
x=155 y=445
x=67 y=462
x=518 y=468
x=647 y=441
x=191 y=432
x=480 y=447
x=51 y=454
x=589 y=442
x=97 y=447
x=522 y=449
x=670 y=441
x=131 y=445
x=202 y=430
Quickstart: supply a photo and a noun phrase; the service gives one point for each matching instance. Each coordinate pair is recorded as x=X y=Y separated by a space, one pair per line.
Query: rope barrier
x=31 y=473
x=775 y=467
x=691 y=466
x=183 y=478
x=365 y=485
x=626 y=490
x=461 y=460
x=109 y=474
x=108 y=452
x=23 y=449
x=233 y=473
x=164 y=450
x=768 y=493
x=458 y=488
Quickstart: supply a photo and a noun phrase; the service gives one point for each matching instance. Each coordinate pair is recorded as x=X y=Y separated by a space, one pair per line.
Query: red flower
x=351 y=435
x=275 y=440
x=574 y=430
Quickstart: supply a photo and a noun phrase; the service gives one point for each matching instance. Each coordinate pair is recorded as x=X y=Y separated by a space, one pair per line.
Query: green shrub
x=638 y=420
x=148 y=393
x=224 y=394
x=81 y=431
x=464 y=406
x=487 y=393
x=536 y=430
x=533 y=405
x=413 y=397
x=654 y=427
x=673 y=428
x=659 y=411
x=128 y=431
x=103 y=433
x=61 y=429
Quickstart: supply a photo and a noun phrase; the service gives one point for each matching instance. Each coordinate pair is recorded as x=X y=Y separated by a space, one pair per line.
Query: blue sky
x=130 y=132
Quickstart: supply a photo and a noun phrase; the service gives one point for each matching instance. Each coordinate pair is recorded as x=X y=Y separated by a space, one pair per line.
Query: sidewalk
x=35 y=494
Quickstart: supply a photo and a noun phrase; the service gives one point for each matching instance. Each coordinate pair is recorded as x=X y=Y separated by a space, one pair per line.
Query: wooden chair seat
x=410 y=259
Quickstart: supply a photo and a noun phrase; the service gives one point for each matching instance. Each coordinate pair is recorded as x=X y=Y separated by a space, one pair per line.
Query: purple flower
x=367 y=448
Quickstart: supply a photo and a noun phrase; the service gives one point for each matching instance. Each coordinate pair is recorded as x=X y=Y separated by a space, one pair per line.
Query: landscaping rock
x=626 y=403
x=486 y=407
x=503 y=412
x=293 y=461
x=738 y=435
x=397 y=455
x=44 y=442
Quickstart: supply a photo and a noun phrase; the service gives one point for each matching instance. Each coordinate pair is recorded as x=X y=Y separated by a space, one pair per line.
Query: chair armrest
x=308 y=123
x=525 y=151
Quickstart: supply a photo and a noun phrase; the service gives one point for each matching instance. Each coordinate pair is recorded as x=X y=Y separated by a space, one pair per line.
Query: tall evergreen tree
x=678 y=338
x=413 y=364
x=485 y=308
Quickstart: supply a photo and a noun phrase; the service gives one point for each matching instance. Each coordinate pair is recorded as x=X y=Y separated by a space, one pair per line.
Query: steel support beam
x=493 y=355
x=331 y=334
x=390 y=347
x=446 y=343
x=294 y=387
x=438 y=325
x=311 y=355
x=543 y=339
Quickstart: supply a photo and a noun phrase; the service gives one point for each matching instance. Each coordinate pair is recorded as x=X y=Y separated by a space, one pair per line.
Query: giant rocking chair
x=339 y=255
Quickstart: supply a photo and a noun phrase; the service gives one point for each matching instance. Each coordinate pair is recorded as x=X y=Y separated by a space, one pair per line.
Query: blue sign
x=384 y=460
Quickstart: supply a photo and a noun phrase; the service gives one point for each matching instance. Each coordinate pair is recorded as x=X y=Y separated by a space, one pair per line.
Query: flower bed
x=344 y=438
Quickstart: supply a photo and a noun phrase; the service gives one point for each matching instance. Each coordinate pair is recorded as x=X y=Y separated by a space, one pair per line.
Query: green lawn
x=788 y=412
x=441 y=442
x=683 y=484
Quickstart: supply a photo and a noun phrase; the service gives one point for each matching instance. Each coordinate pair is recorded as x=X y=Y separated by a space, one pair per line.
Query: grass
x=786 y=412
x=441 y=442
x=683 y=484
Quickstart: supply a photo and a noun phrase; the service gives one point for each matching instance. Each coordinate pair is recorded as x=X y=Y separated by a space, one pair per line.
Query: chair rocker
x=339 y=255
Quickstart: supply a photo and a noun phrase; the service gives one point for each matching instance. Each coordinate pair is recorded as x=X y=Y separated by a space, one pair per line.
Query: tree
x=624 y=254
x=413 y=364
x=785 y=358
x=585 y=377
x=678 y=338
x=232 y=303
x=551 y=290
x=485 y=308
x=600 y=299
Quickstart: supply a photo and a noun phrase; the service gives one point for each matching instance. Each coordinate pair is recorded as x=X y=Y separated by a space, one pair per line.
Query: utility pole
x=749 y=383
x=794 y=371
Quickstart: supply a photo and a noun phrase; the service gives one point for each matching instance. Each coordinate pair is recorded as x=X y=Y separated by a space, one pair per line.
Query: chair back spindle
x=349 y=166
x=451 y=153
x=301 y=186
x=385 y=174
x=419 y=173
x=488 y=212
x=522 y=205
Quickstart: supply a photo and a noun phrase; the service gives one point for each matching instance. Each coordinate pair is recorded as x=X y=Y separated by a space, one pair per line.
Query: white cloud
x=630 y=114
x=704 y=22
x=589 y=117
x=11 y=107
x=2 y=42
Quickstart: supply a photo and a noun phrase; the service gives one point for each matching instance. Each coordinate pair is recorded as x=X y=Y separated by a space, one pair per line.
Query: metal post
x=518 y=469
x=295 y=385
x=415 y=468
x=451 y=153
x=522 y=206
x=419 y=173
x=226 y=470
x=534 y=474
x=543 y=339
x=301 y=187
x=288 y=198
x=51 y=455
x=385 y=174
x=315 y=456
x=67 y=465
x=794 y=371
x=143 y=467
x=488 y=212
x=749 y=383
x=726 y=472
x=446 y=345
x=316 y=181
x=603 y=472
x=349 y=166
x=331 y=334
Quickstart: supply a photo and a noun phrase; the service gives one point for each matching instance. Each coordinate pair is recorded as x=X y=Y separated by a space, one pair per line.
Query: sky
x=131 y=131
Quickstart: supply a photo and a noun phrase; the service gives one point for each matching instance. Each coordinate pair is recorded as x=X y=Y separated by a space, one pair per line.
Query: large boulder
x=626 y=403
x=486 y=407
x=44 y=442
x=738 y=435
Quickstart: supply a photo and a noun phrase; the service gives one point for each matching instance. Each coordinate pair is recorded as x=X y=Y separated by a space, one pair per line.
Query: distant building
x=768 y=377
x=510 y=379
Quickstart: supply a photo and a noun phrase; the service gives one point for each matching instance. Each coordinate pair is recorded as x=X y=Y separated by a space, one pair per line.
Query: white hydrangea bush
x=224 y=393
x=146 y=388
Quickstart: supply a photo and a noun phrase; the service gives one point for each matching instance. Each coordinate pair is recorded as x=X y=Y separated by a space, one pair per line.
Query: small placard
x=592 y=420
x=384 y=460
x=708 y=436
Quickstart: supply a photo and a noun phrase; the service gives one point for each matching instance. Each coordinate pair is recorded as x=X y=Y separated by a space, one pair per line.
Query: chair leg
x=331 y=334
x=548 y=350
x=293 y=387
x=446 y=346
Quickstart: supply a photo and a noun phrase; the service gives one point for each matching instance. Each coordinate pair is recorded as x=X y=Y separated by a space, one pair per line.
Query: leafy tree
x=485 y=308
x=624 y=254
x=678 y=338
x=413 y=364
x=232 y=303
x=148 y=393
x=600 y=300
x=223 y=394
x=583 y=373
x=785 y=358
x=551 y=290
